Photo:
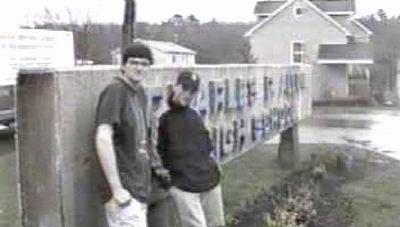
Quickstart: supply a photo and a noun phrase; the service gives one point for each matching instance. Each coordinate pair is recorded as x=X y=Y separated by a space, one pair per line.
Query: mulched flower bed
x=308 y=198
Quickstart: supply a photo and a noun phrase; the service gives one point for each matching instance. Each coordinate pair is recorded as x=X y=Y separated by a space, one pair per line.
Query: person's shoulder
x=113 y=87
x=166 y=114
x=193 y=111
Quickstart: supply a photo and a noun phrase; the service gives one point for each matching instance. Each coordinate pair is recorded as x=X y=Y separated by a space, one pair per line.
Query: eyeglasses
x=138 y=61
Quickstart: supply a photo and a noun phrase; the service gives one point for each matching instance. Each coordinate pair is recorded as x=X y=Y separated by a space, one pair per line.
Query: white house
x=322 y=33
x=164 y=53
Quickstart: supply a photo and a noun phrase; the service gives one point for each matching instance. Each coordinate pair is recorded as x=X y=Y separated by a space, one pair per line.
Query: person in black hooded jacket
x=185 y=148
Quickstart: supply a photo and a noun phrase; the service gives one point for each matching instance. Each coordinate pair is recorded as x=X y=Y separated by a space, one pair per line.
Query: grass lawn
x=8 y=185
x=376 y=196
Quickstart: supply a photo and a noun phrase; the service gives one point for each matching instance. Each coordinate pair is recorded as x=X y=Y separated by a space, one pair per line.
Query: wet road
x=377 y=130
x=373 y=129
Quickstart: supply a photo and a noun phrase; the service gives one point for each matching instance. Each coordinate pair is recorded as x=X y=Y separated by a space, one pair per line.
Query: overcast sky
x=155 y=11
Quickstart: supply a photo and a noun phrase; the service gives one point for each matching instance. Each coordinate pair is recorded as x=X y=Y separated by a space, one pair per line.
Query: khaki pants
x=133 y=215
x=199 y=209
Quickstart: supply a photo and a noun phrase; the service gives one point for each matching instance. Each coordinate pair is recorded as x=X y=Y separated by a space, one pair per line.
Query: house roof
x=338 y=6
x=267 y=7
x=166 y=47
x=289 y=3
x=352 y=25
x=362 y=27
x=360 y=53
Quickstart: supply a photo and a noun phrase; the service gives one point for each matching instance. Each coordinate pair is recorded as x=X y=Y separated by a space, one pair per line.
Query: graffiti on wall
x=241 y=112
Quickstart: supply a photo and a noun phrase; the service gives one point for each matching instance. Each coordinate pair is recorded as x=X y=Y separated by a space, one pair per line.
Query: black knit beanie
x=137 y=50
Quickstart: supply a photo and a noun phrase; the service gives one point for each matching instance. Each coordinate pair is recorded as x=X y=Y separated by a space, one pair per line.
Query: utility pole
x=129 y=23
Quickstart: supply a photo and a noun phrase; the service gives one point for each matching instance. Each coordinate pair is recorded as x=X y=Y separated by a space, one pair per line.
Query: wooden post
x=288 y=151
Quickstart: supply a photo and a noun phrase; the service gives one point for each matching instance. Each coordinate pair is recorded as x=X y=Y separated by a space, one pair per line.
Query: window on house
x=173 y=58
x=298 y=11
x=351 y=39
x=297 y=52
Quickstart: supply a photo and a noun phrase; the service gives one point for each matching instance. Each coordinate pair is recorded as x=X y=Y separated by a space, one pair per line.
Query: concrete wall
x=58 y=169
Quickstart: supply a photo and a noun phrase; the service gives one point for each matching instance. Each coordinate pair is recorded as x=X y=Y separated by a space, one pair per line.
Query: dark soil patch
x=328 y=206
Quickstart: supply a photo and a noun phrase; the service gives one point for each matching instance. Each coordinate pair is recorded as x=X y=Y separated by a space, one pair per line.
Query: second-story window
x=297 y=52
x=298 y=11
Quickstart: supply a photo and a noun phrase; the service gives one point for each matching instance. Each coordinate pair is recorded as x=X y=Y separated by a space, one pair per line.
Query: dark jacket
x=184 y=146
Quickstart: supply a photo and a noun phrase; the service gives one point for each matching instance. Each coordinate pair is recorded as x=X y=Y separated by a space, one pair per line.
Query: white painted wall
x=178 y=59
x=163 y=59
x=271 y=44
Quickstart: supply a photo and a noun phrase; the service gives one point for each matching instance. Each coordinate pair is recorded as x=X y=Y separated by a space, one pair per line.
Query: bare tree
x=245 y=53
x=84 y=37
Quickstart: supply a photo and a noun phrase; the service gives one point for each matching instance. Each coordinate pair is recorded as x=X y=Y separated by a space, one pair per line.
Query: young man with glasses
x=123 y=142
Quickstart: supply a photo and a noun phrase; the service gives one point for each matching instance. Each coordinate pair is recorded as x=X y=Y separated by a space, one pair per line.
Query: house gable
x=272 y=42
x=308 y=5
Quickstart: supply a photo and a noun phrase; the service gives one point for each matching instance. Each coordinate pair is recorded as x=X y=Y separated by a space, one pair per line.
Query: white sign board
x=33 y=49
